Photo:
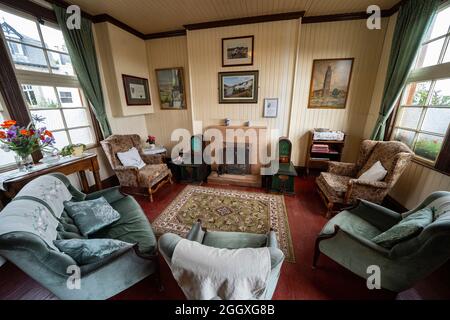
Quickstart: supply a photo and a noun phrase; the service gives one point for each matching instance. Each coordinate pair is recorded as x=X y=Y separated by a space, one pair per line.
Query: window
x=45 y=74
x=423 y=115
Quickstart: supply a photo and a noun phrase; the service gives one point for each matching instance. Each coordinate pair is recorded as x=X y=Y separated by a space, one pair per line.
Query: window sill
x=428 y=165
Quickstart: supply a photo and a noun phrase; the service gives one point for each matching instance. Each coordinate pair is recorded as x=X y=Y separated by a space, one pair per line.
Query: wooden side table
x=87 y=162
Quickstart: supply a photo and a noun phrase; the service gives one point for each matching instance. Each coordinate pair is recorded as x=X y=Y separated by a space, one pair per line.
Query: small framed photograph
x=270 y=108
x=171 y=88
x=238 y=87
x=237 y=51
x=136 y=90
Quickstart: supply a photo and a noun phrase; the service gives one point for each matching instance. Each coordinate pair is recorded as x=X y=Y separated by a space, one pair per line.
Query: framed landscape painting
x=330 y=82
x=237 y=51
x=238 y=87
x=136 y=90
x=171 y=88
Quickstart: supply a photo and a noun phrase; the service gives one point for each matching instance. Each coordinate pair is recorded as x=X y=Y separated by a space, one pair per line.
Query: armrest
x=370 y=190
x=111 y=195
x=378 y=216
x=166 y=244
x=272 y=241
x=342 y=168
x=375 y=184
x=196 y=233
x=152 y=158
x=365 y=242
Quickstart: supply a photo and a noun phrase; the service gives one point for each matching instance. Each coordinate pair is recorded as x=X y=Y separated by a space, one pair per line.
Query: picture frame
x=137 y=92
x=270 y=108
x=330 y=83
x=237 y=51
x=238 y=87
x=171 y=89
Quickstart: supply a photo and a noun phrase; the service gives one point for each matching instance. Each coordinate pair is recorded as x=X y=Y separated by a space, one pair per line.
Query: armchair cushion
x=152 y=174
x=405 y=229
x=91 y=215
x=131 y=158
x=86 y=251
x=333 y=185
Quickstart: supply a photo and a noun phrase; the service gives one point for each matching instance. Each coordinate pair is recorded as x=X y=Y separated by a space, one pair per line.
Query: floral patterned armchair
x=340 y=185
x=151 y=177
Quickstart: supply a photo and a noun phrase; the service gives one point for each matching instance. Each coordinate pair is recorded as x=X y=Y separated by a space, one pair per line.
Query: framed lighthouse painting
x=330 y=82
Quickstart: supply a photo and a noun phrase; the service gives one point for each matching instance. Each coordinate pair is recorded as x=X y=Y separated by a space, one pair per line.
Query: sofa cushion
x=86 y=251
x=405 y=229
x=133 y=226
x=91 y=215
x=352 y=224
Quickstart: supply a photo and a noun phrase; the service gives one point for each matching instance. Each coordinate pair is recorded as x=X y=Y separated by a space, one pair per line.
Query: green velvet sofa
x=230 y=240
x=99 y=280
x=347 y=240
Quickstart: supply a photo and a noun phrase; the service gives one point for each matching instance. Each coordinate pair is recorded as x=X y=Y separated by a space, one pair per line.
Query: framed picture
x=171 y=88
x=136 y=90
x=238 y=87
x=237 y=51
x=330 y=82
x=270 y=107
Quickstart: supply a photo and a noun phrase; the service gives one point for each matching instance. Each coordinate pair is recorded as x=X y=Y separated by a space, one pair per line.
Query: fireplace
x=242 y=167
x=236 y=159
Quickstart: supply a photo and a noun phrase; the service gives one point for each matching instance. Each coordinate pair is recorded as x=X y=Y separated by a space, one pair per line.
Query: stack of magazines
x=320 y=148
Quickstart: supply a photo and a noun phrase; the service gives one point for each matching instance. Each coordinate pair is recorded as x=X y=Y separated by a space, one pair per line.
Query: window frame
x=432 y=74
x=48 y=78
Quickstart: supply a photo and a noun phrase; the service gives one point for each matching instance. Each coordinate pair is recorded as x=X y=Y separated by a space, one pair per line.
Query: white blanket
x=29 y=216
x=49 y=189
x=204 y=272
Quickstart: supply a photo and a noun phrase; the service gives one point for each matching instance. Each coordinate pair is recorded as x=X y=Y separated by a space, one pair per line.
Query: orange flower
x=8 y=123
x=24 y=132
x=48 y=133
x=2 y=135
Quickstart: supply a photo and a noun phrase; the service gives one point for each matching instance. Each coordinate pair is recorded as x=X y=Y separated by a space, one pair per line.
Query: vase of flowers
x=151 y=140
x=25 y=140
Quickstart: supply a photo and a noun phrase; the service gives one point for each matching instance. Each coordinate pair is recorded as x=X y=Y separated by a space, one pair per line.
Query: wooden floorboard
x=297 y=280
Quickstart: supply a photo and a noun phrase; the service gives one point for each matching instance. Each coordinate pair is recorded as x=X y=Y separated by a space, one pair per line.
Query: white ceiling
x=149 y=16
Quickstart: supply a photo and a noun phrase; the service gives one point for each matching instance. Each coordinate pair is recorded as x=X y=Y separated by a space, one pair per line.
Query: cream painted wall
x=121 y=53
x=418 y=181
x=274 y=56
x=335 y=40
x=168 y=53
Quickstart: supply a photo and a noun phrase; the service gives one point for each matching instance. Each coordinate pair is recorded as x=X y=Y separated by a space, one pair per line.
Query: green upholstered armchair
x=99 y=280
x=346 y=239
x=230 y=240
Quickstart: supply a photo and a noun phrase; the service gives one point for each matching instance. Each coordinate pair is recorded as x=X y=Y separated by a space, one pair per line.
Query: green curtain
x=413 y=21
x=80 y=44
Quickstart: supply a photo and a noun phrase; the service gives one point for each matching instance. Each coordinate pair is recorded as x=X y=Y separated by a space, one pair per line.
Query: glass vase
x=24 y=162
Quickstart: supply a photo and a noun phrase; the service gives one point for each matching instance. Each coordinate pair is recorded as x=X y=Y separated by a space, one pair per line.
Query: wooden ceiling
x=151 y=16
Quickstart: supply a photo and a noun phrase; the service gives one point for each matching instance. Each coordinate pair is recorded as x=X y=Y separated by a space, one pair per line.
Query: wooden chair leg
x=150 y=194
x=329 y=213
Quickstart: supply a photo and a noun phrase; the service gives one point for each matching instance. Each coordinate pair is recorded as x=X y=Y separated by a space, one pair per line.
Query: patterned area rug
x=227 y=210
